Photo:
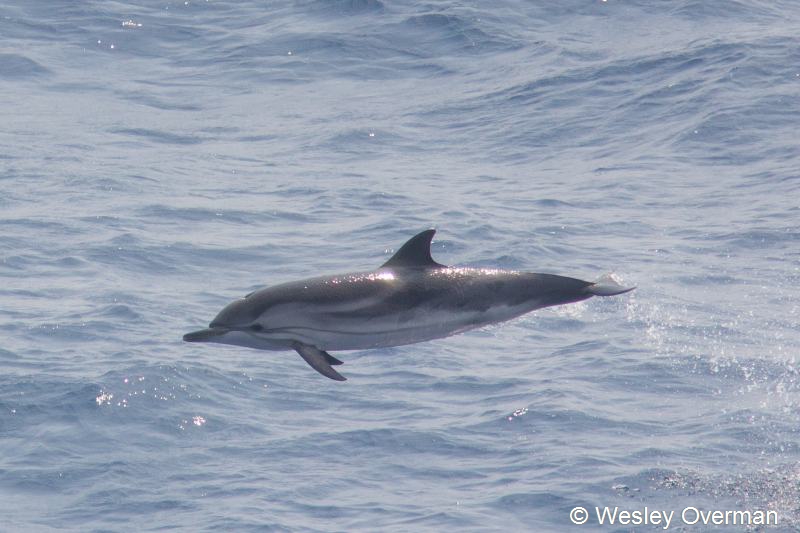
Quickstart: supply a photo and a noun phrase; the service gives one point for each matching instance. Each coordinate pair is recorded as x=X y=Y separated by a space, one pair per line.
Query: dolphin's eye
x=257 y=327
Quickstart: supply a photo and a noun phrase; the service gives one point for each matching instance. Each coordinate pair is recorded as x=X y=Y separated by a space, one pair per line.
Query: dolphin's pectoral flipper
x=319 y=360
x=331 y=359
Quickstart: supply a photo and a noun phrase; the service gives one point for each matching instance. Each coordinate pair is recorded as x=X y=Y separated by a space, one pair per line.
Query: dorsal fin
x=415 y=253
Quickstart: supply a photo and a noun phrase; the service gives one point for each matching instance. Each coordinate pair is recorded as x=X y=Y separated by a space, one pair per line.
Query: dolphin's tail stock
x=607 y=286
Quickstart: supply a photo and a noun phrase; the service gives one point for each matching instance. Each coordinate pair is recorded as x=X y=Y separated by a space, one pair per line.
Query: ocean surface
x=159 y=159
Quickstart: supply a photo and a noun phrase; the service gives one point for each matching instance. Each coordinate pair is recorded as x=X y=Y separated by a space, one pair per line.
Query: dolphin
x=410 y=298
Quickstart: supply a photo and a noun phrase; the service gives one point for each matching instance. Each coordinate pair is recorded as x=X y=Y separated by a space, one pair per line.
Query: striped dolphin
x=410 y=298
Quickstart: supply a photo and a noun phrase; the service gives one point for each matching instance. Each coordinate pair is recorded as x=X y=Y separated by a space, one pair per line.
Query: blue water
x=160 y=158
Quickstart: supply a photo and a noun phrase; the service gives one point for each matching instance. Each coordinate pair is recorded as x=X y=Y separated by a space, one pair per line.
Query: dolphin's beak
x=204 y=334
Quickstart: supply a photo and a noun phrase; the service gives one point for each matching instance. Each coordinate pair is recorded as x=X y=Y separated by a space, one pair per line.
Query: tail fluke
x=607 y=286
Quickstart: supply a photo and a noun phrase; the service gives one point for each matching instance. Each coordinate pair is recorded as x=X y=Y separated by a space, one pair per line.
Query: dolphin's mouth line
x=205 y=334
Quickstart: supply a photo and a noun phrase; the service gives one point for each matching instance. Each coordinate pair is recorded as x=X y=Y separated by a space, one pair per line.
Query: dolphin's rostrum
x=410 y=298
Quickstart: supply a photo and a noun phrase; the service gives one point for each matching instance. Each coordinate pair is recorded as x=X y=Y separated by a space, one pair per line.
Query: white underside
x=337 y=331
